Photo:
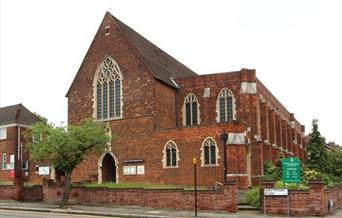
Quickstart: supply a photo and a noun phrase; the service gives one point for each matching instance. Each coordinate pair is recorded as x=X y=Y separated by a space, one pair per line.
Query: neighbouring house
x=164 y=115
x=15 y=163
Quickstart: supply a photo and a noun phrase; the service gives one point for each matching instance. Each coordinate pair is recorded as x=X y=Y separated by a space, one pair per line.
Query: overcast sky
x=294 y=45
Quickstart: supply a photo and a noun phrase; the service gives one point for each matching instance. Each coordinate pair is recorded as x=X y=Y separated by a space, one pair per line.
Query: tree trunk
x=67 y=187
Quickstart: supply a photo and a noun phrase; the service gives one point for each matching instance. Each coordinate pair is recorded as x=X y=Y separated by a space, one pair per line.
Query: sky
x=294 y=45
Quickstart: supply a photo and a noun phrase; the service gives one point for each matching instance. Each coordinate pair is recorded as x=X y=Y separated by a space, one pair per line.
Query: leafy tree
x=65 y=147
x=317 y=154
x=41 y=117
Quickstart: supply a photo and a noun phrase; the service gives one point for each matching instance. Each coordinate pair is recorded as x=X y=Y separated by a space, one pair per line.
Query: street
x=29 y=214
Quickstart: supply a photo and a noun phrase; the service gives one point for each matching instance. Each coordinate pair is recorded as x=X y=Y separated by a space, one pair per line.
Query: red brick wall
x=8 y=146
x=8 y=192
x=32 y=193
x=313 y=202
x=137 y=83
x=218 y=200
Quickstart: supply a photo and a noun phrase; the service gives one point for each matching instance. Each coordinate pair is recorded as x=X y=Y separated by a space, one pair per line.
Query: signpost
x=291 y=174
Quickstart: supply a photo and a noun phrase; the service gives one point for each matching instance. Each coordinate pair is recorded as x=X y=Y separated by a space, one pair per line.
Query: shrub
x=291 y=186
x=252 y=197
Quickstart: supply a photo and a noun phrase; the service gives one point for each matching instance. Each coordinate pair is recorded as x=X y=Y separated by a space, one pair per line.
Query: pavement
x=125 y=211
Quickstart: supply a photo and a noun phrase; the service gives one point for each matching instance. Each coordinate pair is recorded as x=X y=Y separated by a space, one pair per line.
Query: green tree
x=318 y=159
x=65 y=147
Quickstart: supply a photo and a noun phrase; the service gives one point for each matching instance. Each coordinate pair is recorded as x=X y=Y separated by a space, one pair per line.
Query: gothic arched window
x=209 y=152
x=190 y=110
x=225 y=106
x=108 y=90
x=170 y=158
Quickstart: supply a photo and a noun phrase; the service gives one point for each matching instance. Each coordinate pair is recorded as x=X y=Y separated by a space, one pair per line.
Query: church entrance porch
x=108 y=169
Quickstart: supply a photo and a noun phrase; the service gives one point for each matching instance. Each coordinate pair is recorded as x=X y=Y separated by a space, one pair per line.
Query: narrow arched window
x=209 y=152
x=108 y=90
x=191 y=110
x=170 y=158
x=225 y=106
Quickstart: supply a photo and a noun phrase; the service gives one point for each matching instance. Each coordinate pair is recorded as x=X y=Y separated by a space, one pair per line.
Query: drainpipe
x=223 y=137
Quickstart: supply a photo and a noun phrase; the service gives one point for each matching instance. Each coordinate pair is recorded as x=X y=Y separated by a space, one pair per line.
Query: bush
x=252 y=197
x=291 y=186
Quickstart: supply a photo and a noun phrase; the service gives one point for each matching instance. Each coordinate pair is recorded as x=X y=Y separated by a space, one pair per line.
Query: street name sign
x=275 y=192
x=291 y=170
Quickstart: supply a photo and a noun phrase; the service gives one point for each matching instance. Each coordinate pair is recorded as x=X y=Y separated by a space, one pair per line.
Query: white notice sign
x=275 y=192
x=141 y=170
x=129 y=170
x=44 y=171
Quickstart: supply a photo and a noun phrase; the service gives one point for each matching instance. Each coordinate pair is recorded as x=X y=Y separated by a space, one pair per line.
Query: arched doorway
x=108 y=169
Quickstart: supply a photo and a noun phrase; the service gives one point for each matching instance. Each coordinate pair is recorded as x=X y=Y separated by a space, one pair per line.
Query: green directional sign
x=291 y=170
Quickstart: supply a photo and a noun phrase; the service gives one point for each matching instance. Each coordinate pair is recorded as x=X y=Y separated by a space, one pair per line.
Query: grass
x=6 y=183
x=139 y=185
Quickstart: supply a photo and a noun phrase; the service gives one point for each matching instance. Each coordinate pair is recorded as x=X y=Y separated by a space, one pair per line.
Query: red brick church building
x=164 y=115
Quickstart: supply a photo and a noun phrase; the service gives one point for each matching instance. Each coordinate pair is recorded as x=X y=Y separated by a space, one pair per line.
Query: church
x=163 y=115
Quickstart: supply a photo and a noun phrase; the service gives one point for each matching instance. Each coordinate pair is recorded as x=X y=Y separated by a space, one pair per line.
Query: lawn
x=139 y=185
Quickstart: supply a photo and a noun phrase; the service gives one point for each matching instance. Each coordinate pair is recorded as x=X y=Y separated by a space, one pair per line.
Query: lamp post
x=194 y=162
x=223 y=137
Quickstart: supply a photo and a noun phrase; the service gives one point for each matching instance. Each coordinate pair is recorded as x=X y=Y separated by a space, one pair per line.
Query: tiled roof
x=17 y=114
x=162 y=65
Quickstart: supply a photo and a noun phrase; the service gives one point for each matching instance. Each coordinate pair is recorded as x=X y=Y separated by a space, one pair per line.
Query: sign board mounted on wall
x=275 y=192
x=291 y=170
x=44 y=171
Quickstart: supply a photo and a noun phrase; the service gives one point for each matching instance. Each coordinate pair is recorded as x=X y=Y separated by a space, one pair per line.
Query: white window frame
x=101 y=77
x=166 y=146
x=3 y=133
x=203 y=155
x=190 y=98
x=225 y=92
x=4 y=161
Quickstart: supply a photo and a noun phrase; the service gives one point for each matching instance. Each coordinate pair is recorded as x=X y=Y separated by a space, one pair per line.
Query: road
x=28 y=214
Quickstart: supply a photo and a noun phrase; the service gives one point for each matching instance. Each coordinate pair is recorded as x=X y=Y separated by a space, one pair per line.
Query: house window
x=25 y=165
x=190 y=111
x=11 y=165
x=36 y=137
x=3 y=133
x=108 y=88
x=4 y=161
x=209 y=152
x=170 y=158
x=225 y=106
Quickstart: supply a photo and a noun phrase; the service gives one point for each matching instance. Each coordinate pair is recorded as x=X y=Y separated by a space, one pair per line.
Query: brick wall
x=313 y=202
x=21 y=193
x=218 y=200
x=32 y=193
x=8 y=192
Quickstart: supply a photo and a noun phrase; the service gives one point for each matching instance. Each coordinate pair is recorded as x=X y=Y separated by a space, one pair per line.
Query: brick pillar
x=19 y=185
x=289 y=138
x=284 y=134
x=272 y=132
x=264 y=184
x=264 y=130
x=230 y=189
x=278 y=131
x=318 y=205
x=257 y=162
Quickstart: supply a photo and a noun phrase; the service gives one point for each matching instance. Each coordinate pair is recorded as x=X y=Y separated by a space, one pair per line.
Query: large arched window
x=209 y=152
x=190 y=111
x=225 y=106
x=170 y=157
x=108 y=90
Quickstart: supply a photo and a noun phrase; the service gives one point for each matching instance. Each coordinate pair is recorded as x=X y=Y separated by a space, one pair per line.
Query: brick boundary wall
x=32 y=193
x=218 y=200
x=312 y=202
x=20 y=192
x=9 y=192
